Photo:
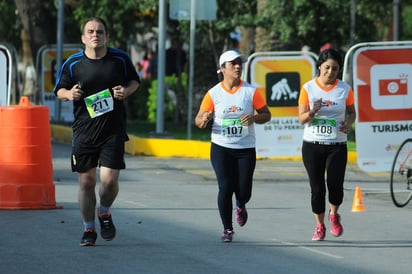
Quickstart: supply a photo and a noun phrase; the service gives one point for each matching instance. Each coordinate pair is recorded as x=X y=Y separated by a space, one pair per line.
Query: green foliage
x=300 y=22
x=146 y=129
x=407 y=24
x=293 y=23
x=315 y=22
x=212 y=37
x=10 y=25
x=137 y=103
x=171 y=84
x=310 y=22
x=118 y=15
x=124 y=18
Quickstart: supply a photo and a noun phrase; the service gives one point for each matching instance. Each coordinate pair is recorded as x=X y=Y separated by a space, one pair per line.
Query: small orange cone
x=357 y=204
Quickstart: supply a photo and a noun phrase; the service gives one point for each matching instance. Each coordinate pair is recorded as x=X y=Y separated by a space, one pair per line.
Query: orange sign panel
x=385 y=77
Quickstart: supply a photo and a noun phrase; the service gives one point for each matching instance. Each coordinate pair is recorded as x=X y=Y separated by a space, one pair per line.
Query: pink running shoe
x=320 y=231
x=227 y=236
x=335 y=226
x=241 y=216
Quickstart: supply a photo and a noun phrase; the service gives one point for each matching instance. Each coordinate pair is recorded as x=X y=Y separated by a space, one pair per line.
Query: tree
x=285 y=24
x=315 y=22
x=265 y=25
x=10 y=25
x=39 y=24
x=124 y=18
x=264 y=40
x=36 y=24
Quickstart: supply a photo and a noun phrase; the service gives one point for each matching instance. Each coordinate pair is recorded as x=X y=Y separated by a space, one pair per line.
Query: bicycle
x=401 y=175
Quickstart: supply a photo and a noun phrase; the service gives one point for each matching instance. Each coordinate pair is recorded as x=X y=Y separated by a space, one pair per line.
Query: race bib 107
x=233 y=130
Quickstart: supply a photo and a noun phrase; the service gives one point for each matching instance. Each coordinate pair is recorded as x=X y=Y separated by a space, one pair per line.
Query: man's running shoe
x=336 y=228
x=89 y=238
x=319 y=234
x=241 y=216
x=108 y=230
x=227 y=235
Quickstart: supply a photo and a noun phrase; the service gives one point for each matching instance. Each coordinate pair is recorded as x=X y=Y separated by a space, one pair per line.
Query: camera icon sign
x=391 y=86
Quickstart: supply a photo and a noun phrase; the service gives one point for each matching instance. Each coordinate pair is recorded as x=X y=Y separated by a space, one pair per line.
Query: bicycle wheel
x=401 y=175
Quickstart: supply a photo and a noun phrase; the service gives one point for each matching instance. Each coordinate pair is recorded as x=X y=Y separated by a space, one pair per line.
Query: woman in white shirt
x=234 y=106
x=327 y=110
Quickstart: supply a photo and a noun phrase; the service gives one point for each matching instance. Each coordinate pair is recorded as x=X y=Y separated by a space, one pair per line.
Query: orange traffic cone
x=26 y=169
x=357 y=204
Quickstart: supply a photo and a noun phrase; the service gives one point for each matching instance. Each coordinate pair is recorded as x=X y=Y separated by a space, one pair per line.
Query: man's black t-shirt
x=95 y=75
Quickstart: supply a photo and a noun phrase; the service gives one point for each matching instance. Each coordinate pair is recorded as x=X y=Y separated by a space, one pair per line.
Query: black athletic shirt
x=95 y=75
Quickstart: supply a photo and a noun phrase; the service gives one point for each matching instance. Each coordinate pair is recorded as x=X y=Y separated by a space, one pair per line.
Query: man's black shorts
x=109 y=153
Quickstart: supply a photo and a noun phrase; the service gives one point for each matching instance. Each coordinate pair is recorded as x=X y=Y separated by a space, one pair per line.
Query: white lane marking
x=135 y=203
x=309 y=249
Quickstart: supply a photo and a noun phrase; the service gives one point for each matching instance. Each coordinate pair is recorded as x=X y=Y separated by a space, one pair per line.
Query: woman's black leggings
x=234 y=170
x=318 y=159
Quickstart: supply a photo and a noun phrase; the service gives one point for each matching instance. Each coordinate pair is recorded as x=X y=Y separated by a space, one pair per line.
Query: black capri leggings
x=234 y=170
x=320 y=158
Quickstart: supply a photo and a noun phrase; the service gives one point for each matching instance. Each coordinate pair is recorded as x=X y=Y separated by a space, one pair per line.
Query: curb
x=167 y=147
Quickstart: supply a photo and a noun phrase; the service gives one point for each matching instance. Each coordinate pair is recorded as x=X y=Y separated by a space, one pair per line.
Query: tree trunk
x=262 y=39
x=39 y=29
x=38 y=22
x=27 y=69
x=247 y=45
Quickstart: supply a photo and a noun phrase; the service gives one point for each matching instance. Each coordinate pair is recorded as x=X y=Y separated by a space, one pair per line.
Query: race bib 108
x=323 y=128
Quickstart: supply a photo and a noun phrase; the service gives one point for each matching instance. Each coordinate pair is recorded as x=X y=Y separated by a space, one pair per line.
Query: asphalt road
x=167 y=222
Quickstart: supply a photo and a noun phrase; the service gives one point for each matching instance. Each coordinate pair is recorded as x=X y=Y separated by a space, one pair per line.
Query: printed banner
x=279 y=77
x=382 y=84
x=49 y=74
